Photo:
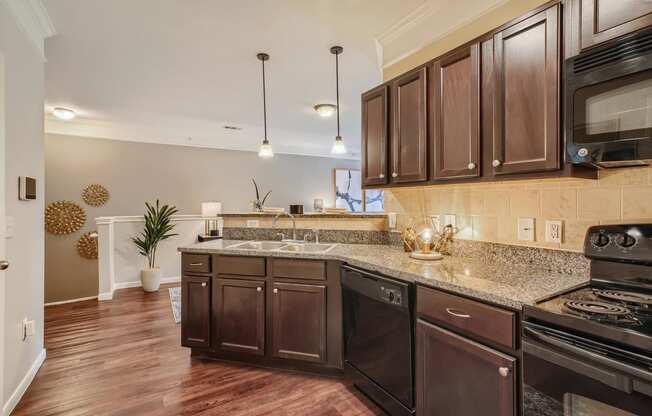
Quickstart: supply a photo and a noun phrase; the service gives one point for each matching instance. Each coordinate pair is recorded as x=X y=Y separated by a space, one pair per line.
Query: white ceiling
x=178 y=71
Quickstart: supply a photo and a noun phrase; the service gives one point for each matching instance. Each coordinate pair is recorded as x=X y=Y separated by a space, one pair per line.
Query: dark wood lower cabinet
x=457 y=376
x=299 y=316
x=239 y=315
x=196 y=311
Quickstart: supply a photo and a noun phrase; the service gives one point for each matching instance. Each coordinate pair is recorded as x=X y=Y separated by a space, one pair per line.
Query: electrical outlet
x=554 y=231
x=252 y=223
x=435 y=222
x=29 y=329
x=391 y=220
x=525 y=230
x=10 y=226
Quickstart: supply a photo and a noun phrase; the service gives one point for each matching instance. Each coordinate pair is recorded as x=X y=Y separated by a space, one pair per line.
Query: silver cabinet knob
x=275 y=290
x=381 y=176
x=394 y=175
x=503 y=371
x=203 y=284
x=259 y=289
x=496 y=163
x=4 y=265
x=471 y=166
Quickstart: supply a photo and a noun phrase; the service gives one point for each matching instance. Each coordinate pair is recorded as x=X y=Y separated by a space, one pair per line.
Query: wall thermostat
x=26 y=188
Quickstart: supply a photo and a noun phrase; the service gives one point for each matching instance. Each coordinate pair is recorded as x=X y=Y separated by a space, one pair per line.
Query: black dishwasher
x=379 y=338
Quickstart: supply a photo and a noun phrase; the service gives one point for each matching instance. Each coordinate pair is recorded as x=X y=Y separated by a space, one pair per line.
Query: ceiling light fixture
x=338 y=147
x=63 y=113
x=265 y=151
x=325 y=110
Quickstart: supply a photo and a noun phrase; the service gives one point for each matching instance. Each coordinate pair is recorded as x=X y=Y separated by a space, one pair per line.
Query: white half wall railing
x=120 y=262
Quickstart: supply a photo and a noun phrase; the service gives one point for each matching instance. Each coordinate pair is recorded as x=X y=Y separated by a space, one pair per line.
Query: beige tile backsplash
x=490 y=211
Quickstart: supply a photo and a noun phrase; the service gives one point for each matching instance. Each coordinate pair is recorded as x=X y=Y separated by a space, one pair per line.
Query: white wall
x=24 y=81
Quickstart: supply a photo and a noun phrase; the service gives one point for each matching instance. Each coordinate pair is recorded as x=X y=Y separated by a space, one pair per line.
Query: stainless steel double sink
x=283 y=246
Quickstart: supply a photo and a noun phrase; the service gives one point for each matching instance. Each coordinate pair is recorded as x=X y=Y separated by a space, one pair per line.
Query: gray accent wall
x=184 y=176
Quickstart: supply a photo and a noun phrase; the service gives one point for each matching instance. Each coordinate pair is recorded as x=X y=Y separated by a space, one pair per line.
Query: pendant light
x=265 y=151
x=338 y=147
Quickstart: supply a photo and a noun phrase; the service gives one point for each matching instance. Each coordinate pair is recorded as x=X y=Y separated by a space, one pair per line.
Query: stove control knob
x=625 y=240
x=600 y=239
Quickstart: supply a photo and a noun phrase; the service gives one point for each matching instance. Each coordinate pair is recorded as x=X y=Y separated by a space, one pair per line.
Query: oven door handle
x=613 y=379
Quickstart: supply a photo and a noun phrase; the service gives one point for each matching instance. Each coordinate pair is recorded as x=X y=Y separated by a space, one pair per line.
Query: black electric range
x=589 y=351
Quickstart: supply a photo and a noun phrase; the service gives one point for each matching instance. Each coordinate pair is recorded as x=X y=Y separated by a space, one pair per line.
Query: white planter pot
x=151 y=279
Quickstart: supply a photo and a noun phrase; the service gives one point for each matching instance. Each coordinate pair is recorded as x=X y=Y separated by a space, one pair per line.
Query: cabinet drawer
x=474 y=318
x=196 y=263
x=239 y=265
x=299 y=269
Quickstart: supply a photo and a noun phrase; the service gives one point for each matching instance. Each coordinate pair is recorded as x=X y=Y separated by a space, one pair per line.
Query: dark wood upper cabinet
x=456 y=376
x=299 y=321
x=239 y=315
x=375 y=129
x=603 y=20
x=195 y=311
x=455 y=114
x=410 y=130
x=526 y=96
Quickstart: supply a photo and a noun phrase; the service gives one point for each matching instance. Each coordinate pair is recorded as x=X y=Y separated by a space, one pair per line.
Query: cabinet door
x=299 y=316
x=195 y=311
x=456 y=376
x=374 y=136
x=456 y=114
x=526 y=106
x=602 y=20
x=410 y=131
x=239 y=314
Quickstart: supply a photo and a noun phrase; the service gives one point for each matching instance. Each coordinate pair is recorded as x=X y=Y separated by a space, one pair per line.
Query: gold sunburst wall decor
x=95 y=195
x=87 y=245
x=64 y=217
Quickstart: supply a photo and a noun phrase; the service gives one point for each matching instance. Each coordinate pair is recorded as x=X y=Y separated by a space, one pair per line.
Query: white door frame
x=3 y=227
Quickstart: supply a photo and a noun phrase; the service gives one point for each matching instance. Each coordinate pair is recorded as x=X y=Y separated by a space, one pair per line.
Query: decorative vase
x=151 y=279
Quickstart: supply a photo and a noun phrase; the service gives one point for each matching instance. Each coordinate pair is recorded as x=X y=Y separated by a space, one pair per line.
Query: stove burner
x=638 y=299
x=597 y=308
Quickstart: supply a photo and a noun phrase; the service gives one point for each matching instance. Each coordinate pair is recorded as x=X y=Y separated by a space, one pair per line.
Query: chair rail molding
x=32 y=17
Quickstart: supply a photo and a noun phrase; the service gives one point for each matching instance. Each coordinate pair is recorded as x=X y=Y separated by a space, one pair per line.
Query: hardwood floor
x=123 y=357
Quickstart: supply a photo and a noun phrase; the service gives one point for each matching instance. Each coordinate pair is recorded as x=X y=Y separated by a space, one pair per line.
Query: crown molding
x=428 y=23
x=33 y=19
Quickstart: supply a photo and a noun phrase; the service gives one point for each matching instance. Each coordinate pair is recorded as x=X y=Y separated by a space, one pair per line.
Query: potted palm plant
x=158 y=227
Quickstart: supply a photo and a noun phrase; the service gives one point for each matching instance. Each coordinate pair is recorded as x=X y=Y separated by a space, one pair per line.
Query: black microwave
x=608 y=103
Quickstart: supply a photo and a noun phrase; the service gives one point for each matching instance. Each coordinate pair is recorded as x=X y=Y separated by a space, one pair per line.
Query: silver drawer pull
x=196 y=264
x=203 y=284
x=275 y=290
x=259 y=289
x=503 y=371
x=457 y=313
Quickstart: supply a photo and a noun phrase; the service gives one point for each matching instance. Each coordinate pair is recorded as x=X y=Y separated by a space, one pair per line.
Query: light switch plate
x=554 y=231
x=435 y=222
x=252 y=223
x=525 y=229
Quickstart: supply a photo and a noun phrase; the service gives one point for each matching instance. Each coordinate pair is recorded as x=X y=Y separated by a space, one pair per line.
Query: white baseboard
x=24 y=384
x=62 y=302
x=126 y=285
x=105 y=296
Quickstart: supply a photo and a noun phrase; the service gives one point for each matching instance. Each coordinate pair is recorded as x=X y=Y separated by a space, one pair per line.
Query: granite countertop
x=507 y=284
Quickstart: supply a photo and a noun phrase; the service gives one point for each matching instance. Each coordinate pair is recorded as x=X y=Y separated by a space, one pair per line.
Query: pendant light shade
x=265 y=151
x=338 y=147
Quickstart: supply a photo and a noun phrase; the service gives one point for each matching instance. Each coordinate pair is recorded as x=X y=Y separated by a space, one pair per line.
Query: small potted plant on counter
x=158 y=227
